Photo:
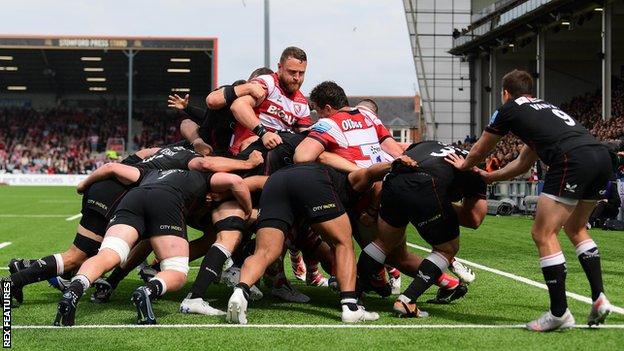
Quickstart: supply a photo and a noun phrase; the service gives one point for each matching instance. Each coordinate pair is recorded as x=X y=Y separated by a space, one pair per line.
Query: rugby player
x=153 y=210
x=579 y=167
x=424 y=197
x=321 y=203
x=282 y=111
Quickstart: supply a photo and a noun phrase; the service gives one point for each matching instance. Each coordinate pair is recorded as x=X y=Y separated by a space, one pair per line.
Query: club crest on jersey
x=321 y=127
x=298 y=108
x=349 y=124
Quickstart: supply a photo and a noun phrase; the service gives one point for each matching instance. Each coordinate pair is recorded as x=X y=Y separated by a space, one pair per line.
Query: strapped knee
x=230 y=223
x=177 y=263
x=87 y=245
x=118 y=245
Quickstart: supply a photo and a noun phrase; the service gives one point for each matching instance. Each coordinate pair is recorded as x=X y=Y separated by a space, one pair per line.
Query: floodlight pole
x=267 y=49
x=130 y=54
x=606 y=60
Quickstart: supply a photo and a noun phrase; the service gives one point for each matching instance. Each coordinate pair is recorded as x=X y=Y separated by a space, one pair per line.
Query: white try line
x=73 y=217
x=5 y=244
x=302 y=326
x=524 y=280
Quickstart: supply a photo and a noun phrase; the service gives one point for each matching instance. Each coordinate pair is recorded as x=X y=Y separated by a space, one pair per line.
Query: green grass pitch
x=33 y=219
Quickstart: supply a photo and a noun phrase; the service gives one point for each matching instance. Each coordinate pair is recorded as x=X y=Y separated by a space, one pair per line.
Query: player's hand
x=175 y=101
x=487 y=177
x=201 y=147
x=271 y=140
x=456 y=161
x=368 y=219
x=406 y=161
x=257 y=91
x=255 y=158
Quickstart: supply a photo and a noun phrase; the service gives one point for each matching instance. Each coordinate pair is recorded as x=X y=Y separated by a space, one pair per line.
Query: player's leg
x=86 y=244
x=429 y=271
x=337 y=233
x=552 y=213
x=113 y=251
x=589 y=257
x=269 y=246
x=229 y=224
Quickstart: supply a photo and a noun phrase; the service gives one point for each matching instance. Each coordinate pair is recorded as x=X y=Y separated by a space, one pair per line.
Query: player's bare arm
x=224 y=164
x=243 y=110
x=480 y=150
x=219 y=99
x=222 y=182
x=125 y=174
x=308 y=150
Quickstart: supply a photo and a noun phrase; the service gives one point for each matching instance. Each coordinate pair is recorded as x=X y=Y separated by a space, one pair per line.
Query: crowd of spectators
x=68 y=140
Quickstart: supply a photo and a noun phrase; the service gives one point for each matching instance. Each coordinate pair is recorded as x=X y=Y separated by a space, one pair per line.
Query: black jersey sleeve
x=473 y=185
x=500 y=122
x=197 y=114
x=131 y=160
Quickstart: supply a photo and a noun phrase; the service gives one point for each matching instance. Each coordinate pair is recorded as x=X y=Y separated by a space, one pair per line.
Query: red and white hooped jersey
x=356 y=135
x=278 y=111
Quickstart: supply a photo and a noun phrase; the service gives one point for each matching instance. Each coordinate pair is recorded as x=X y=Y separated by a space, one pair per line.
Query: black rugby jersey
x=430 y=156
x=542 y=126
x=189 y=185
x=169 y=157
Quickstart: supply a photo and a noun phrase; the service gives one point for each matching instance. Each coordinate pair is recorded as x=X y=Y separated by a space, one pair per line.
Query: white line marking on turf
x=73 y=217
x=32 y=216
x=5 y=244
x=304 y=326
x=571 y=295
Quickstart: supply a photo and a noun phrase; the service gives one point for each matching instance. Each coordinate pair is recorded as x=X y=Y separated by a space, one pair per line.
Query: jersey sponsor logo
x=98 y=204
x=423 y=276
x=321 y=127
x=493 y=118
x=274 y=110
x=524 y=100
x=571 y=188
x=349 y=124
x=170 y=227
x=324 y=207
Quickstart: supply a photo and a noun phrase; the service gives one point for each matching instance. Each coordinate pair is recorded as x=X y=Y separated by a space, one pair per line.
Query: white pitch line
x=303 y=326
x=32 y=216
x=571 y=295
x=73 y=217
x=5 y=244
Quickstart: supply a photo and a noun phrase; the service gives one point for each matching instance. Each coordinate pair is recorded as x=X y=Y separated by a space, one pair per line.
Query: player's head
x=369 y=104
x=516 y=83
x=291 y=69
x=260 y=72
x=328 y=97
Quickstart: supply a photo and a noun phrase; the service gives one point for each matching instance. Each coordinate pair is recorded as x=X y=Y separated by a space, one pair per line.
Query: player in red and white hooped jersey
x=356 y=134
x=282 y=109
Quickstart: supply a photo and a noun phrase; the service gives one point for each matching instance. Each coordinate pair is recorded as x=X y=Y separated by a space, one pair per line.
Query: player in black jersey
x=320 y=201
x=153 y=210
x=425 y=197
x=579 y=167
x=98 y=204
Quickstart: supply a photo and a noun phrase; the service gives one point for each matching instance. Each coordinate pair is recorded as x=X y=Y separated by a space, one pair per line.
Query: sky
x=363 y=45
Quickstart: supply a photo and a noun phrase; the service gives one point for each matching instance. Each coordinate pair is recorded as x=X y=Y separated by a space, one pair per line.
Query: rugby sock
x=79 y=284
x=210 y=270
x=349 y=299
x=554 y=270
x=447 y=281
x=371 y=261
x=42 y=269
x=245 y=288
x=117 y=276
x=429 y=271
x=589 y=256
x=156 y=287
